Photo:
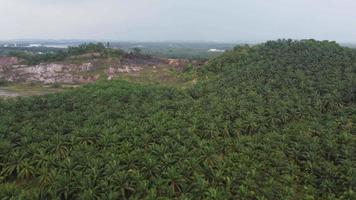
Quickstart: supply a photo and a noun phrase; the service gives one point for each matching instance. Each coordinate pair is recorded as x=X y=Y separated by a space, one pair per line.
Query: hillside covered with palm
x=271 y=121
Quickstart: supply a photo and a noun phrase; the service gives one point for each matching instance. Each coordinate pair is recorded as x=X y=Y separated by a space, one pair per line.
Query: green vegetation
x=91 y=50
x=161 y=76
x=3 y=83
x=31 y=50
x=138 y=54
x=183 y=53
x=273 y=121
x=56 y=85
x=31 y=89
x=180 y=50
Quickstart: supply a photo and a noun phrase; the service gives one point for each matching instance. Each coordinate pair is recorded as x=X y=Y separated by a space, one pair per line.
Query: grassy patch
x=166 y=76
x=32 y=89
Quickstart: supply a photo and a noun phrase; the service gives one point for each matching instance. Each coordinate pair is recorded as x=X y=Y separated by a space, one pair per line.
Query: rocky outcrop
x=113 y=71
x=87 y=55
x=11 y=69
x=7 y=61
x=177 y=62
x=48 y=73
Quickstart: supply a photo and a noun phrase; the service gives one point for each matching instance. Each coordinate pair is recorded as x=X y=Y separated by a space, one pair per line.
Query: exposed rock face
x=177 y=62
x=112 y=71
x=124 y=69
x=48 y=73
x=87 y=55
x=6 y=60
x=11 y=69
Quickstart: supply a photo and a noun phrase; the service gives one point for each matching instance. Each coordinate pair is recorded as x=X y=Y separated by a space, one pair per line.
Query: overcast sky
x=185 y=20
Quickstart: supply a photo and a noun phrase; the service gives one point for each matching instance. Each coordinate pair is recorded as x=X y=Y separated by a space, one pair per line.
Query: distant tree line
x=36 y=58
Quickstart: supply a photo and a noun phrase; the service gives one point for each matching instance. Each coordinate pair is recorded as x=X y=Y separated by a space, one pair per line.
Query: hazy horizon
x=224 y=21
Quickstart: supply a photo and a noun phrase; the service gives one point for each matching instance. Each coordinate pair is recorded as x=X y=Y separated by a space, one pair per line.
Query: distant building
x=216 y=50
x=34 y=45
